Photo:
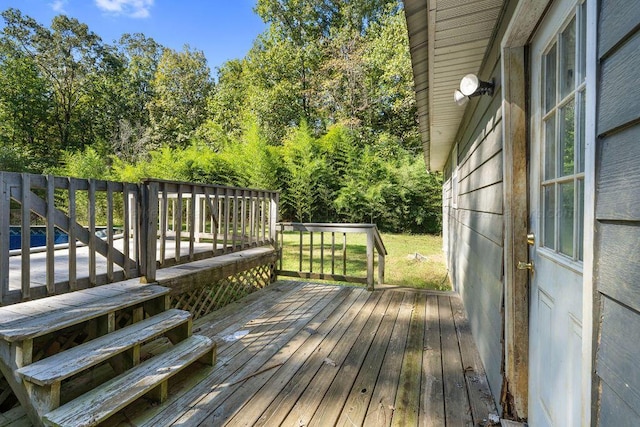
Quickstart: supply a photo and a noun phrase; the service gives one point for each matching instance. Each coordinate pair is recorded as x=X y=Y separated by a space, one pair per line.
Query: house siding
x=617 y=237
x=473 y=225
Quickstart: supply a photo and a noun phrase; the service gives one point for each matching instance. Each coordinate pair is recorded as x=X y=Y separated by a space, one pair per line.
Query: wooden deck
x=303 y=354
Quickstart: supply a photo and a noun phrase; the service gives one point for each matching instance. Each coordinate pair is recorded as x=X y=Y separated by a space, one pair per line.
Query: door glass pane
x=568 y=59
x=580 y=219
x=582 y=43
x=566 y=219
x=550 y=147
x=549 y=216
x=567 y=136
x=550 y=79
x=581 y=131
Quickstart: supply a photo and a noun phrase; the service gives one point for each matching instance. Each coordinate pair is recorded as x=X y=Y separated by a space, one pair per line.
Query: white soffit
x=447 y=40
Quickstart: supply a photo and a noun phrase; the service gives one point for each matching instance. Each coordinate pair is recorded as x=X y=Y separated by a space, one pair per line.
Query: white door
x=556 y=215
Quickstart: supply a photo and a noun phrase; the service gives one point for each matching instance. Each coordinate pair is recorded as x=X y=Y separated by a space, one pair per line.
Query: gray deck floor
x=304 y=354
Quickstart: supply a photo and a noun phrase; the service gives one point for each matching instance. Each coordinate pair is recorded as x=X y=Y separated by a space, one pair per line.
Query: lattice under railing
x=205 y=299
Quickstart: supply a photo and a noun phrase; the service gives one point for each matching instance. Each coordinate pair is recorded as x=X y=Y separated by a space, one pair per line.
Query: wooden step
x=70 y=362
x=32 y=319
x=150 y=377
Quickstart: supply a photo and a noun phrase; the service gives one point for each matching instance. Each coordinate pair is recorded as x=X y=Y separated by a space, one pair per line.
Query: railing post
x=370 y=246
x=148 y=214
x=273 y=218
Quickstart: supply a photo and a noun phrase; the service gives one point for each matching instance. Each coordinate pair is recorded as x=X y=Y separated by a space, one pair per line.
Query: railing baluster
x=215 y=219
x=227 y=216
x=243 y=226
x=178 y=221
x=110 y=277
x=25 y=223
x=263 y=201
x=73 y=272
x=5 y=232
x=234 y=236
x=126 y=230
x=300 y=252
x=92 y=232
x=192 y=223
x=281 y=245
x=322 y=252
x=50 y=236
x=164 y=223
x=135 y=225
x=344 y=254
x=333 y=253
x=252 y=217
x=311 y=252
x=370 y=244
x=274 y=202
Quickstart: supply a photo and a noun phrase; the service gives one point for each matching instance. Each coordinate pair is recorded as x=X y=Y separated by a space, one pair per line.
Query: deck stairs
x=51 y=350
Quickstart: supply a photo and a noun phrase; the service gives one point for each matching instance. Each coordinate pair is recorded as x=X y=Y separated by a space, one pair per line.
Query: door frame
x=515 y=123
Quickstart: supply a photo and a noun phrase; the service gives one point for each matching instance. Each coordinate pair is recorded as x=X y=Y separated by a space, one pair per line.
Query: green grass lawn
x=403 y=268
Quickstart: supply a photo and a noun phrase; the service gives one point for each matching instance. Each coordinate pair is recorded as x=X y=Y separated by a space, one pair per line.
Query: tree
x=70 y=58
x=25 y=112
x=141 y=56
x=389 y=81
x=182 y=84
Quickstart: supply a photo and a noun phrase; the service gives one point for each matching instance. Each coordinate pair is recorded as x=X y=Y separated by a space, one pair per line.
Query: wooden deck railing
x=210 y=219
x=327 y=258
x=145 y=225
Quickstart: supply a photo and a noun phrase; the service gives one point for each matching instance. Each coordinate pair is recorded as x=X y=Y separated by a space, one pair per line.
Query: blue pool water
x=38 y=237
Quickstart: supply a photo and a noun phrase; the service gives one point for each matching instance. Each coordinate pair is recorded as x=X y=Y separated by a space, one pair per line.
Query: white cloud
x=58 y=5
x=131 y=8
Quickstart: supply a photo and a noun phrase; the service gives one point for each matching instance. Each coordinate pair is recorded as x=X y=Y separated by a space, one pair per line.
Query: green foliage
x=195 y=163
x=321 y=108
x=82 y=164
x=305 y=170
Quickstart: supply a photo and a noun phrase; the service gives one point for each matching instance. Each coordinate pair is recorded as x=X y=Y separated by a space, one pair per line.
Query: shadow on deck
x=303 y=354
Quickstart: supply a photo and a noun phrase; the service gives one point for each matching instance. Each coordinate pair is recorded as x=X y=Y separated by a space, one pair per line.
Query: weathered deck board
x=400 y=358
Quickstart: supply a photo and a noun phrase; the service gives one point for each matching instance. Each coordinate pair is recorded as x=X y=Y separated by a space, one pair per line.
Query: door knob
x=524 y=266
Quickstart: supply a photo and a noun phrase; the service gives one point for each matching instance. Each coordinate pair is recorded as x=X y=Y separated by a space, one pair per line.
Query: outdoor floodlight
x=470 y=86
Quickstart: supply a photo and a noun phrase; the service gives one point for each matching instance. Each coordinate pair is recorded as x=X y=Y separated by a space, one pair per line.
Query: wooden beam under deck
x=304 y=354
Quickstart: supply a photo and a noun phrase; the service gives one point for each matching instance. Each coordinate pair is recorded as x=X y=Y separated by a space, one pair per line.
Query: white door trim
x=589 y=212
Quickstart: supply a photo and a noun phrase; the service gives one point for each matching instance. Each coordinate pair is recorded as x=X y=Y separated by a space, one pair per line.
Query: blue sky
x=222 y=29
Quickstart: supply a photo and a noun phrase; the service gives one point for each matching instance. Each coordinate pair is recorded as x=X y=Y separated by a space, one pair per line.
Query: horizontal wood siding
x=474 y=226
x=617 y=237
x=618 y=356
x=615 y=412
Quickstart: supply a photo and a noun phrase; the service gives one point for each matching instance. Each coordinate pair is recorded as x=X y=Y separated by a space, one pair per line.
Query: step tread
x=39 y=317
x=108 y=398
x=67 y=363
